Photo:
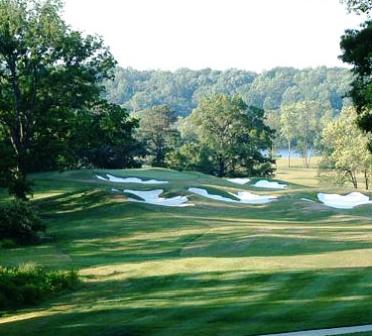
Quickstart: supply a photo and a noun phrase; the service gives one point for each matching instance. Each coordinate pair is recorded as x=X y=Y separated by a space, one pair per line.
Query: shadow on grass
x=95 y=230
x=208 y=303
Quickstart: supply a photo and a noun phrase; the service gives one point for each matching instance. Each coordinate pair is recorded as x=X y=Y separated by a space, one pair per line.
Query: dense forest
x=181 y=90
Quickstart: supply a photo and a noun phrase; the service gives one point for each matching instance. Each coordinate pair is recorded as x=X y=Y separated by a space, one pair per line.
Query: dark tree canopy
x=105 y=137
x=49 y=74
x=358 y=6
x=157 y=132
x=233 y=134
x=356 y=48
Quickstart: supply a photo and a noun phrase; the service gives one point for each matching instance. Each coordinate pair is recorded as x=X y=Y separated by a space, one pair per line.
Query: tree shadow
x=206 y=303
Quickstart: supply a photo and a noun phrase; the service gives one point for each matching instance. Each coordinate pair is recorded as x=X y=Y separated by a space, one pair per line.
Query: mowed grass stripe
x=213 y=269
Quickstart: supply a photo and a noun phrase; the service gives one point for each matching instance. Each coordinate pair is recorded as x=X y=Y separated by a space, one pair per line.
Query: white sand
x=269 y=185
x=204 y=193
x=306 y=199
x=111 y=178
x=152 y=197
x=239 y=180
x=245 y=197
x=348 y=201
x=249 y=198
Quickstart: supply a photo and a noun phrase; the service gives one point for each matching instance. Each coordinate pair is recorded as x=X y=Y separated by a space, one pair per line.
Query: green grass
x=212 y=269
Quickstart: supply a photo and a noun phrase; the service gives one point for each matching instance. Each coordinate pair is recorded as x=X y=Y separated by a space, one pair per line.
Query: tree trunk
x=289 y=154
x=221 y=167
x=305 y=157
x=309 y=160
x=366 y=178
x=353 y=179
x=233 y=166
x=18 y=138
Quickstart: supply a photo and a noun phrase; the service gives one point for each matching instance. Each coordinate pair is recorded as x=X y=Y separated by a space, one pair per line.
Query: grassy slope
x=212 y=269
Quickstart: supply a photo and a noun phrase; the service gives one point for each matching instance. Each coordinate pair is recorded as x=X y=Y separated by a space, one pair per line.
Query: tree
x=346 y=148
x=106 y=137
x=182 y=89
x=234 y=133
x=358 y=6
x=47 y=72
x=357 y=50
x=303 y=122
x=157 y=132
x=272 y=119
x=288 y=126
x=192 y=156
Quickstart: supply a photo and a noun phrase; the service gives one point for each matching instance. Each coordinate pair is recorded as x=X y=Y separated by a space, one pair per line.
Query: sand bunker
x=249 y=198
x=239 y=180
x=111 y=178
x=204 y=193
x=152 y=197
x=244 y=197
x=269 y=185
x=348 y=201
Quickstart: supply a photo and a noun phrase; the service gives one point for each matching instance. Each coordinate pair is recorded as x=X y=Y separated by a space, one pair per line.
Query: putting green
x=212 y=269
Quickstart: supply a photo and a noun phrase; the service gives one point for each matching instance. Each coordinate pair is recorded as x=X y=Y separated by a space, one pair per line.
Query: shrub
x=8 y=243
x=19 y=222
x=29 y=284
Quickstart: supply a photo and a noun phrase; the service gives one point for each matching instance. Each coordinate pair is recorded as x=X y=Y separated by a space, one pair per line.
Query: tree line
x=182 y=89
x=64 y=103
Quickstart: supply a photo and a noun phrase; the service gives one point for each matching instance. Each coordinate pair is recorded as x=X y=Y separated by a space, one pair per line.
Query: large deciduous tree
x=47 y=73
x=157 y=132
x=358 y=6
x=106 y=137
x=356 y=48
x=345 y=148
x=234 y=134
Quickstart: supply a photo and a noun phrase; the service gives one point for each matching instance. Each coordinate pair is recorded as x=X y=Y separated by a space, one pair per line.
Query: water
x=283 y=153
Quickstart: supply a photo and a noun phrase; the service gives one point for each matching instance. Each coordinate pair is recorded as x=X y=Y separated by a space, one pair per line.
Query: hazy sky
x=246 y=34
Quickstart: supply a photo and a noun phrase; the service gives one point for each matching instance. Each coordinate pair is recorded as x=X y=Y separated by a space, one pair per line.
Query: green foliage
x=233 y=134
x=192 y=156
x=357 y=50
x=48 y=72
x=358 y=6
x=19 y=222
x=157 y=133
x=8 y=243
x=181 y=90
x=28 y=285
x=346 y=148
x=106 y=137
x=304 y=122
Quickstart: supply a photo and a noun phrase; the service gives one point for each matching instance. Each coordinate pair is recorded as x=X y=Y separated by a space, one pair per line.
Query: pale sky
x=246 y=34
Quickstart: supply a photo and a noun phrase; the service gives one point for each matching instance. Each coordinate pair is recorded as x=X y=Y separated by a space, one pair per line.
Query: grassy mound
x=216 y=268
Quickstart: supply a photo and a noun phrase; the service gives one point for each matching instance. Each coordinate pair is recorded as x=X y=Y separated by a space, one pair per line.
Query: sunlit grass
x=212 y=269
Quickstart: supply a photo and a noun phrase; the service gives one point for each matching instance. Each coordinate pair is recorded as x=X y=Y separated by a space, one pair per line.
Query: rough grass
x=213 y=269
x=28 y=285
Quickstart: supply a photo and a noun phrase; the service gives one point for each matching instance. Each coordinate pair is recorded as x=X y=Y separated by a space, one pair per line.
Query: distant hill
x=181 y=89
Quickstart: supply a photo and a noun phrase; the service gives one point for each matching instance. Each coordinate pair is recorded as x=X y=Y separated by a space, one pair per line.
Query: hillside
x=210 y=269
x=180 y=90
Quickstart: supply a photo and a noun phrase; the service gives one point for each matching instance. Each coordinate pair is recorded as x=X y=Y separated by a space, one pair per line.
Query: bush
x=8 y=243
x=19 y=222
x=29 y=284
